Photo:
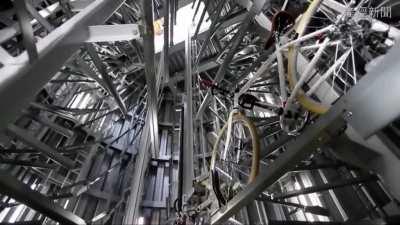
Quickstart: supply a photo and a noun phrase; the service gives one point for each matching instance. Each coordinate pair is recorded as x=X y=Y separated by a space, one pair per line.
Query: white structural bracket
x=117 y=32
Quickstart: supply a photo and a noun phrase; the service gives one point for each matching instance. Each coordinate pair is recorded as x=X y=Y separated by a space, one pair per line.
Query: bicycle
x=309 y=73
x=235 y=133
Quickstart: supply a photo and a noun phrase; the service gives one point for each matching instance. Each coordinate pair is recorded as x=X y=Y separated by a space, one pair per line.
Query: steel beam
x=54 y=110
x=136 y=186
x=280 y=142
x=66 y=110
x=39 y=17
x=361 y=222
x=18 y=151
x=5 y=57
x=320 y=166
x=148 y=42
x=53 y=51
x=261 y=18
x=107 y=79
x=285 y=222
x=211 y=29
x=188 y=168
x=103 y=195
x=33 y=222
x=326 y=187
x=28 y=163
x=21 y=192
x=52 y=125
x=229 y=22
x=154 y=204
x=237 y=39
x=72 y=81
x=28 y=139
x=180 y=76
x=79 y=5
x=180 y=163
x=116 y=32
x=28 y=38
x=13 y=30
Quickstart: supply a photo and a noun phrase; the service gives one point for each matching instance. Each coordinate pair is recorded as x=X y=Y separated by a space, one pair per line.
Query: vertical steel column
x=136 y=186
x=148 y=42
x=166 y=37
x=188 y=172
x=26 y=29
x=203 y=146
x=180 y=164
x=149 y=134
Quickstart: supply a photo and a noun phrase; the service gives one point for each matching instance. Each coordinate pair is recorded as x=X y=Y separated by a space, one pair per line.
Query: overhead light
x=141 y=220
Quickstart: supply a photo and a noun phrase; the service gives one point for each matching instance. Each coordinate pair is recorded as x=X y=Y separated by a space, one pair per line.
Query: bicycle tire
x=307 y=102
x=255 y=164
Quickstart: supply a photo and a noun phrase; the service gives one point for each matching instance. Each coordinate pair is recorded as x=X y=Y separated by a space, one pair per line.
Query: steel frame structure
x=80 y=156
x=351 y=108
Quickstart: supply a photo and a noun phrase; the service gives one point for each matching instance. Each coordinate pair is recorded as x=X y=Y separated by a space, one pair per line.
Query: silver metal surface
x=111 y=87
x=137 y=183
x=53 y=51
x=23 y=193
x=150 y=74
x=32 y=141
x=14 y=29
x=26 y=29
x=375 y=97
x=117 y=32
x=188 y=170
x=255 y=9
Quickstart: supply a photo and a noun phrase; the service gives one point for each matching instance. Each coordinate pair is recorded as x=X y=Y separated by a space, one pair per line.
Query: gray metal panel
x=374 y=103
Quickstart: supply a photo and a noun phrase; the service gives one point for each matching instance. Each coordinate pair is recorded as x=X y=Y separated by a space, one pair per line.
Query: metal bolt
x=347 y=115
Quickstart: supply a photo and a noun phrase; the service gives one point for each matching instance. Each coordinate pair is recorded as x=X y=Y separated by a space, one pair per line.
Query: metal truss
x=83 y=105
x=98 y=128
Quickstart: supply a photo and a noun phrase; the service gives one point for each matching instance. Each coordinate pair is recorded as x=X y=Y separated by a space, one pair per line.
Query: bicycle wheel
x=238 y=164
x=329 y=28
